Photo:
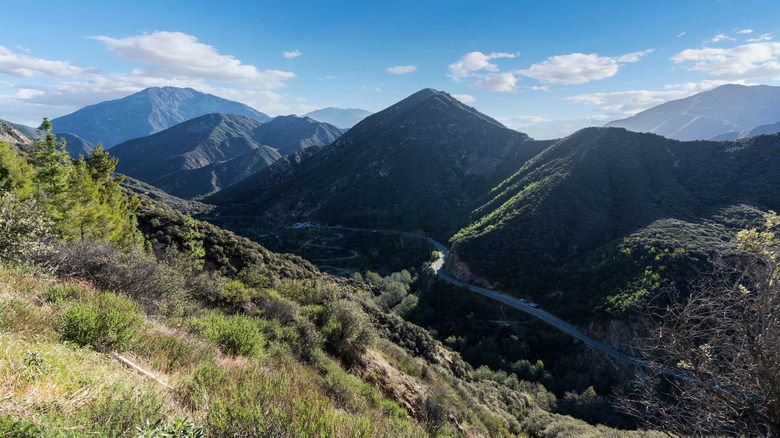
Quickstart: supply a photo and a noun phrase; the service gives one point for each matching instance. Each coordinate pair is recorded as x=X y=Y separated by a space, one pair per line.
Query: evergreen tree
x=51 y=163
x=16 y=174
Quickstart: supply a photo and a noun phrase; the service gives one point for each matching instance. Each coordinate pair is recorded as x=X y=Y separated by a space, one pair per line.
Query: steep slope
x=169 y=159
x=191 y=183
x=343 y=118
x=75 y=145
x=14 y=137
x=728 y=108
x=555 y=221
x=146 y=112
x=411 y=166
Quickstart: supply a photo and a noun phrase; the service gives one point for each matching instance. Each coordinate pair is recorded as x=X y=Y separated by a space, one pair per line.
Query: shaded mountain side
x=571 y=208
x=169 y=158
x=419 y=164
x=189 y=145
x=191 y=183
x=728 y=108
x=75 y=145
x=146 y=112
x=155 y=194
x=288 y=134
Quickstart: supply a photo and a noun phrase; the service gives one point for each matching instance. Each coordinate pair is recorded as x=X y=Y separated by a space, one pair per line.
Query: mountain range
x=23 y=137
x=549 y=220
x=204 y=154
x=545 y=219
x=144 y=113
x=727 y=112
x=418 y=164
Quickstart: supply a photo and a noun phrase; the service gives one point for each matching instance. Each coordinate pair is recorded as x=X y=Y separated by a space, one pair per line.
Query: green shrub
x=349 y=330
x=239 y=335
x=10 y=428
x=110 y=321
x=61 y=292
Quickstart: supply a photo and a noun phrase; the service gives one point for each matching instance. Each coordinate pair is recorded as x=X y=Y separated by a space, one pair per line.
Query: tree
x=51 y=167
x=16 y=174
x=23 y=227
x=724 y=342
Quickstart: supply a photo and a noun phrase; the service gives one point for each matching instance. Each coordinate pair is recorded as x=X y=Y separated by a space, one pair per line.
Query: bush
x=237 y=335
x=109 y=322
x=349 y=331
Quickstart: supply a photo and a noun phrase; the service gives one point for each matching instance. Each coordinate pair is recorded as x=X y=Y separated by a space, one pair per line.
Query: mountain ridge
x=724 y=109
x=147 y=112
x=411 y=165
x=170 y=159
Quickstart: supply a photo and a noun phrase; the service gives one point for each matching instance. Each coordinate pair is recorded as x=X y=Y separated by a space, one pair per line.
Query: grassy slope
x=290 y=381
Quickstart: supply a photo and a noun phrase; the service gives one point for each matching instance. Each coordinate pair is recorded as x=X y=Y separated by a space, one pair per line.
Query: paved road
x=517 y=304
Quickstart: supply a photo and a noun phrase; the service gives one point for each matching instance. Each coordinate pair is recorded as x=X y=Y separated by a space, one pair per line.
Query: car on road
x=532 y=304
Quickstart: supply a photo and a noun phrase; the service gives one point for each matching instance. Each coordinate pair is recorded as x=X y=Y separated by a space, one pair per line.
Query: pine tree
x=52 y=164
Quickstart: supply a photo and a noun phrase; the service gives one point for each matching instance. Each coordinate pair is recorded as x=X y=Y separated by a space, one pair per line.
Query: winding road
x=520 y=305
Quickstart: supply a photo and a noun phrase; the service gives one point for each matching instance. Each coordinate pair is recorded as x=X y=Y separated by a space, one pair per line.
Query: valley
x=460 y=251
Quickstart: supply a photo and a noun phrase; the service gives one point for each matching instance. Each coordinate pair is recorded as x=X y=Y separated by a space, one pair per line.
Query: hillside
x=146 y=112
x=190 y=330
x=559 y=225
x=342 y=118
x=726 y=109
x=205 y=154
x=14 y=137
x=415 y=165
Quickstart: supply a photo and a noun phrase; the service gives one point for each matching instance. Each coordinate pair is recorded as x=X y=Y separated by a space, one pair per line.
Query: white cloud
x=578 y=68
x=23 y=49
x=749 y=61
x=762 y=37
x=401 y=69
x=176 y=55
x=720 y=37
x=290 y=55
x=472 y=62
x=680 y=34
x=16 y=64
x=540 y=88
x=500 y=82
x=634 y=57
x=745 y=31
x=465 y=98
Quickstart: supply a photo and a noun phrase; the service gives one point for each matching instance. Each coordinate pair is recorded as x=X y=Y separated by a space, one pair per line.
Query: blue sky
x=541 y=67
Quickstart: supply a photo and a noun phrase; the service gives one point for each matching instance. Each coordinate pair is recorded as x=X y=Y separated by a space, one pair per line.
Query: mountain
x=761 y=129
x=342 y=118
x=14 y=137
x=563 y=223
x=146 y=112
x=416 y=164
x=725 y=109
x=74 y=145
x=193 y=158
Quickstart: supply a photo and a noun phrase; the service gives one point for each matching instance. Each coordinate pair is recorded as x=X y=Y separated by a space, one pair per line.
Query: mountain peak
x=146 y=112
